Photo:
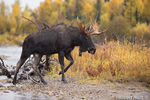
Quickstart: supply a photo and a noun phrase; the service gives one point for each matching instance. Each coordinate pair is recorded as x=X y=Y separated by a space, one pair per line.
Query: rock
x=1 y=85
x=60 y=98
x=49 y=93
x=39 y=94
x=6 y=91
x=9 y=81
x=2 y=88
x=11 y=86
x=61 y=92
x=83 y=98
x=131 y=88
x=19 y=93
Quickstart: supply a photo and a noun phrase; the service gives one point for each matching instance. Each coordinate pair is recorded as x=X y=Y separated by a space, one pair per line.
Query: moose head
x=86 y=41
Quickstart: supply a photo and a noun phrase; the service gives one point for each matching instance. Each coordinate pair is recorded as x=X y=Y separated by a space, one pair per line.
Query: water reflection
x=12 y=53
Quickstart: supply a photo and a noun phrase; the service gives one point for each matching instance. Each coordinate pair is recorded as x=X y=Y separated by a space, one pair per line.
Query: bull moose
x=60 y=39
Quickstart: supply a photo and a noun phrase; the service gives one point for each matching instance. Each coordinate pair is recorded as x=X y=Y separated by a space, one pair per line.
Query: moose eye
x=86 y=37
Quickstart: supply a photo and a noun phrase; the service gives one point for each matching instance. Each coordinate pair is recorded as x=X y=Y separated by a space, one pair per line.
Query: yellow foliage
x=13 y=30
x=113 y=61
x=59 y=1
x=71 y=3
x=8 y=38
x=54 y=16
x=146 y=11
x=140 y=7
x=115 y=6
x=26 y=12
x=16 y=9
x=48 y=2
x=88 y=8
x=14 y=25
x=45 y=10
x=71 y=7
x=141 y=28
x=105 y=18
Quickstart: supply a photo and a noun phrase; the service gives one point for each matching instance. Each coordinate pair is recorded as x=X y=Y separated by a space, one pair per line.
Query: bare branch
x=32 y=22
x=4 y=69
x=46 y=26
x=57 y=21
x=33 y=80
x=71 y=23
x=2 y=61
x=26 y=26
x=63 y=19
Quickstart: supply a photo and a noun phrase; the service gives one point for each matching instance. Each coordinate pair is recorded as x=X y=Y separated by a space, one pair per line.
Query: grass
x=112 y=61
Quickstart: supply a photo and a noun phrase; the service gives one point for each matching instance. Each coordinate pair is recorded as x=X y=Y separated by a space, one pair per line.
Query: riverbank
x=75 y=90
x=111 y=61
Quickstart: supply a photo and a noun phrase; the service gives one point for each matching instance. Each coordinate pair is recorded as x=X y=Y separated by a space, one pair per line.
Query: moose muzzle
x=92 y=50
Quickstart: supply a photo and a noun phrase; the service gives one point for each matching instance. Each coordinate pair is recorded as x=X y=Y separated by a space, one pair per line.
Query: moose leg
x=37 y=58
x=19 y=64
x=68 y=57
x=61 y=61
x=47 y=63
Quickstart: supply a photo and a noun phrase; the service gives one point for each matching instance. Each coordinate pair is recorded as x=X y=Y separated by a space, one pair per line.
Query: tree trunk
x=98 y=8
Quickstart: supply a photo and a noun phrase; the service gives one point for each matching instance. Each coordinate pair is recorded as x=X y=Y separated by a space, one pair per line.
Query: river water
x=11 y=55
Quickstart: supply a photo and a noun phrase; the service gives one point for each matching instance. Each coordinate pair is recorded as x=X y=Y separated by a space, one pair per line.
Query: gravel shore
x=74 y=90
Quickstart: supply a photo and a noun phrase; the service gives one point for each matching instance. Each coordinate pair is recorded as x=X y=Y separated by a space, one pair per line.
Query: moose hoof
x=44 y=82
x=65 y=82
x=60 y=73
x=14 y=83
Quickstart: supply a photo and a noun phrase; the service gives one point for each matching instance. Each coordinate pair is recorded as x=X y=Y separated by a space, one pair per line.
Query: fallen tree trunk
x=26 y=72
x=4 y=69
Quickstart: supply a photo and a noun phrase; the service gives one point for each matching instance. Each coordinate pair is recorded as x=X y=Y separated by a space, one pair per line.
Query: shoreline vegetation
x=8 y=40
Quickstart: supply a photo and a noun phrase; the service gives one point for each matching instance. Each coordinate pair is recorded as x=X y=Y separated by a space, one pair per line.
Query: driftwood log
x=3 y=68
x=27 y=72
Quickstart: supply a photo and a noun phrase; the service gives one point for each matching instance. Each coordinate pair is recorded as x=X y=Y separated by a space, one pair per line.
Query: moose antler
x=83 y=28
x=96 y=28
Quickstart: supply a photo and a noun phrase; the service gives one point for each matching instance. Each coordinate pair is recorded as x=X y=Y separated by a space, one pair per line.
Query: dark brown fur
x=59 y=39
